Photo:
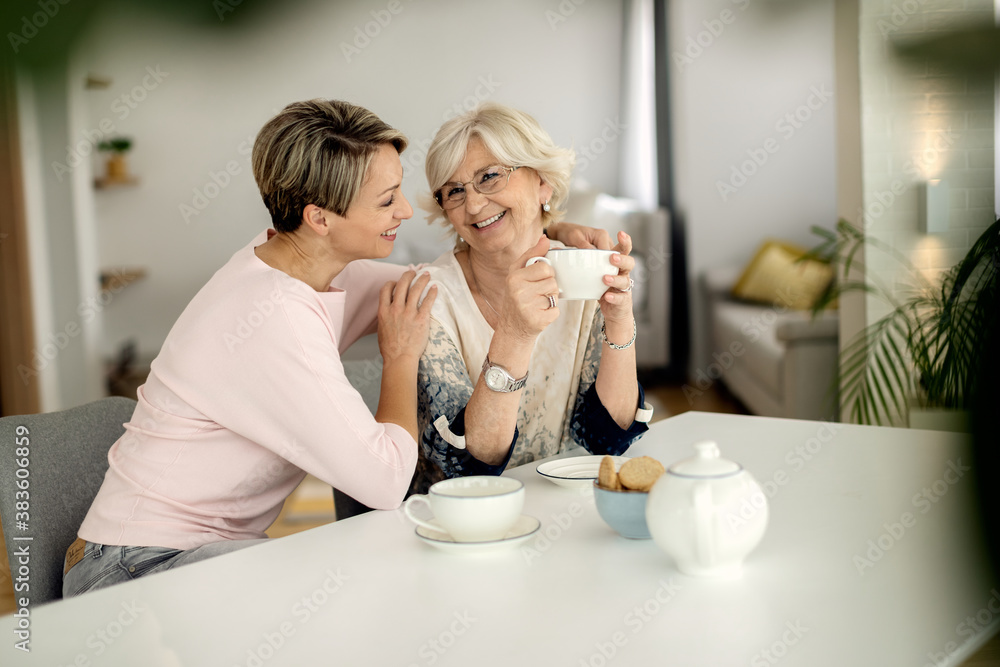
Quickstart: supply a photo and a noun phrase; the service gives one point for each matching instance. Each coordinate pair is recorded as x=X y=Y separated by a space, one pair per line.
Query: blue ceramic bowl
x=625 y=511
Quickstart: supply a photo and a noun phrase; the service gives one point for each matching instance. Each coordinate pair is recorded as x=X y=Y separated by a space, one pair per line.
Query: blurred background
x=705 y=128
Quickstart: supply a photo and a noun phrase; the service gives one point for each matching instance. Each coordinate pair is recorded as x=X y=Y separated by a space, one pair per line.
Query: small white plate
x=525 y=527
x=577 y=472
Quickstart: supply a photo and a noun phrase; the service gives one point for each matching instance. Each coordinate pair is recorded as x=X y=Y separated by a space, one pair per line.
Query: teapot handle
x=703 y=533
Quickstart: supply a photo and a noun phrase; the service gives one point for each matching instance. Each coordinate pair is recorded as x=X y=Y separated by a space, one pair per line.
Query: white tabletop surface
x=366 y=591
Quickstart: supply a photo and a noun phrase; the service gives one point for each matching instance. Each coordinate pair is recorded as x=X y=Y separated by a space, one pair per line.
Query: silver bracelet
x=619 y=347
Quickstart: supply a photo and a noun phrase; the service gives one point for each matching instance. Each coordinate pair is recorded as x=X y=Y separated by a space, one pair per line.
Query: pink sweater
x=247 y=395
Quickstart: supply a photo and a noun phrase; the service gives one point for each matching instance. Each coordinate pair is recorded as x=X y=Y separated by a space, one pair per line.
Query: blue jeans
x=104 y=565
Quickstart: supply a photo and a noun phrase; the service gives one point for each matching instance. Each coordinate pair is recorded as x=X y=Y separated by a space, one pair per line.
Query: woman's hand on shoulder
x=403 y=321
x=616 y=304
x=527 y=309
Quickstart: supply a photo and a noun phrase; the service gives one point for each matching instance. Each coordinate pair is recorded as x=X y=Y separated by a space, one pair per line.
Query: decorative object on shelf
x=922 y=355
x=97 y=82
x=114 y=280
x=117 y=167
x=120 y=371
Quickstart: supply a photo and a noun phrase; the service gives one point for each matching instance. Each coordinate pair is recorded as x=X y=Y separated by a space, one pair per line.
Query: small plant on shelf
x=117 y=167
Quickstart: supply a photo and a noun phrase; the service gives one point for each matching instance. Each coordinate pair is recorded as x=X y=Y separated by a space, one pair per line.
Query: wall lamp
x=934 y=207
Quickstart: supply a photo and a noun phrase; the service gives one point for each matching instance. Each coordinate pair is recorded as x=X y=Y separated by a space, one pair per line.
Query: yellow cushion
x=775 y=276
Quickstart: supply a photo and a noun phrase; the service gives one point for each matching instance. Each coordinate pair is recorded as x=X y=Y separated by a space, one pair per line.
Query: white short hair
x=514 y=138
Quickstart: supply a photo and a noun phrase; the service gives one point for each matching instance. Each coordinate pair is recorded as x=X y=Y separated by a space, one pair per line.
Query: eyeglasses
x=487 y=181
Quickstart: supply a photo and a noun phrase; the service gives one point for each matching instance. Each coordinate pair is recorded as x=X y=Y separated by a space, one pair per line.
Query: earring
x=546 y=207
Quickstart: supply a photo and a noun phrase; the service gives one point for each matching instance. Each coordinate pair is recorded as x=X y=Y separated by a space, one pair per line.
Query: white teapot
x=707 y=513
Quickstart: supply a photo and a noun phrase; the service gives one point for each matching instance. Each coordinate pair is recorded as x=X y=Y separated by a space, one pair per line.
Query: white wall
x=738 y=68
x=217 y=85
x=63 y=357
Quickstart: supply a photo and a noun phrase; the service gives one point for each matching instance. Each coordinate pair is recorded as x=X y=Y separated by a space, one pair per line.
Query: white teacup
x=471 y=509
x=579 y=271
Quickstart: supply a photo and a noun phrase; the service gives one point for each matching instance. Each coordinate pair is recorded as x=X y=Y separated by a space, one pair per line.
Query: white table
x=365 y=591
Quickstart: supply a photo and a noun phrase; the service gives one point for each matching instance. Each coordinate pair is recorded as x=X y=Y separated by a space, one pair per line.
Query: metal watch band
x=510 y=385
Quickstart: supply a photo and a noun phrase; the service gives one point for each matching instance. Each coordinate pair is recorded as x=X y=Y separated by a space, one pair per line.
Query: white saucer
x=525 y=527
x=577 y=472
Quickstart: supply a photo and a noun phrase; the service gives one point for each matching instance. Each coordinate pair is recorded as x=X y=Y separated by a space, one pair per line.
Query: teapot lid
x=707 y=463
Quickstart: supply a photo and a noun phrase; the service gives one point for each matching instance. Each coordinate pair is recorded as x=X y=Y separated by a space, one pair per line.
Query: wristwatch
x=499 y=378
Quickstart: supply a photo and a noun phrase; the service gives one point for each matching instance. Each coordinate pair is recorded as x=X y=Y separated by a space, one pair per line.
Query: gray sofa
x=778 y=362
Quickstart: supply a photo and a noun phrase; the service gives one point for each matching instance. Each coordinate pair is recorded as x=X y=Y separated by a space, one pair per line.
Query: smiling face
x=369 y=228
x=509 y=221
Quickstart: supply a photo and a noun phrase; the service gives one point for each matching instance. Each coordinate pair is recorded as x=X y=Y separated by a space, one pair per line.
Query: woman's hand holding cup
x=616 y=303
x=531 y=298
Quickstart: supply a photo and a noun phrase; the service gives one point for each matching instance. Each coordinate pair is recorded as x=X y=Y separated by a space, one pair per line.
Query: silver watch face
x=496 y=379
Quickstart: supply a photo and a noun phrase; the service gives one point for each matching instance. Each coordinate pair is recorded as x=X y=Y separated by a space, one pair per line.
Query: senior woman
x=511 y=374
x=248 y=393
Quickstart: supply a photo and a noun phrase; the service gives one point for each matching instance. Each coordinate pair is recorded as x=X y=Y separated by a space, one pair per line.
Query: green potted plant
x=117 y=168
x=923 y=354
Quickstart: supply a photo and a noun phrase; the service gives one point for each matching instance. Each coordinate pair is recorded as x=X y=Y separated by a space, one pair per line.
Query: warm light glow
x=930 y=256
x=931 y=155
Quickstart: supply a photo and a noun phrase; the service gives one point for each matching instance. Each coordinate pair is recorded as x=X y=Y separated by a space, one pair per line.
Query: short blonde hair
x=317 y=152
x=514 y=138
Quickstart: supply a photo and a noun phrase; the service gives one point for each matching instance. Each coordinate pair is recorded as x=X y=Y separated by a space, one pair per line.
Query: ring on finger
x=552 y=301
x=631 y=284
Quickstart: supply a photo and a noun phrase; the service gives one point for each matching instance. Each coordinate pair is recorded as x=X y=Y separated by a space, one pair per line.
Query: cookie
x=640 y=474
x=607 y=478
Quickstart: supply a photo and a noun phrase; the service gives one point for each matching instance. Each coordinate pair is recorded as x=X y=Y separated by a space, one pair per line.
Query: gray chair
x=67 y=456
x=363 y=367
